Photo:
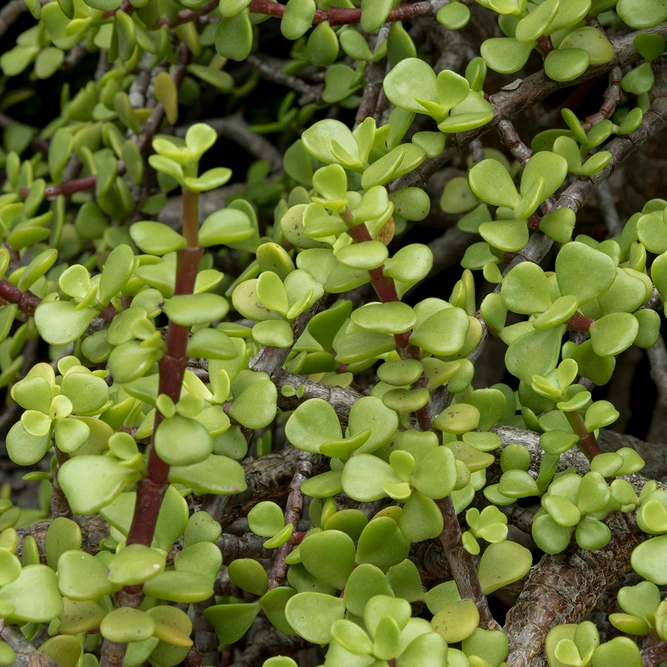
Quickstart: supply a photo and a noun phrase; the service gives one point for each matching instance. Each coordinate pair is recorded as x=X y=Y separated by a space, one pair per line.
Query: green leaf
x=273 y=605
x=649 y=46
x=642 y=15
x=91 y=482
x=454 y=15
x=249 y=575
x=25 y=449
x=298 y=18
x=367 y=255
x=505 y=55
x=225 y=227
x=591 y=40
x=566 y=64
x=117 y=271
x=216 y=474
x=382 y=544
x=135 y=564
x=619 y=652
x=537 y=21
x=61 y=322
x=233 y=37
x=420 y=518
x=457 y=620
x=503 y=563
x=364 y=477
x=583 y=271
x=329 y=556
x=525 y=289
x=318 y=140
x=33 y=595
x=312 y=424
x=638 y=80
x=193 y=309
x=374 y=13
x=232 y=621
x=125 y=625
x=322 y=48
x=534 y=353
x=613 y=333
x=491 y=182
x=182 y=441
x=429 y=334
x=411 y=80
x=266 y=519
x=176 y=586
x=313 y=614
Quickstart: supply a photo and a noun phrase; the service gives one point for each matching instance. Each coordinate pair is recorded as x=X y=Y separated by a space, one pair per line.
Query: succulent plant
x=249 y=411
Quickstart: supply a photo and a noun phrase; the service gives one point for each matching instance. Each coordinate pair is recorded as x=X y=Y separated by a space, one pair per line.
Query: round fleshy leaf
x=641 y=15
x=456 y=621
x=91 y=482
x=537 y=21
x=382 y=544
x=329 y=556
x=491 y=182
x=232 y=621
x=312 y=615
x=60 y=322
x=135 y=564
x=649 y=560
x=256 y=407
x=505 y=55
x=171 y=625
x=420 y=518
x=249 y=575
x=458 y=418
x=216 y=474
x=364 y=477
x=266 y=519
x=503 y=563
x=33 y=595
x=62 y=535
x=613 y=333
x=619 y=652
x=312 y=424
x=182 y=441
x=370 y=412
x=154 y=238
x=429 y=334
x=566 y=64
x=124 y=625
x=525 y=289
x=412 y=80
x=193 y=309
x=82 y=576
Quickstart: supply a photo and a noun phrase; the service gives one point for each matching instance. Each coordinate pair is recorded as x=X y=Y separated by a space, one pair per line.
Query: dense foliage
x=257 y=428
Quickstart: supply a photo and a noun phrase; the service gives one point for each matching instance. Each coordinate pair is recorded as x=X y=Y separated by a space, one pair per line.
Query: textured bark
x=26 y=654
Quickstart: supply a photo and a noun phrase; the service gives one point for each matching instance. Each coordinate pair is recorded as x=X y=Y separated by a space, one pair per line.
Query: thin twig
x=292 y=516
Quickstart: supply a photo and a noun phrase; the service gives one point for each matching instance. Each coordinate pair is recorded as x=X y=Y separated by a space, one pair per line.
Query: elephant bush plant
x=249 y=419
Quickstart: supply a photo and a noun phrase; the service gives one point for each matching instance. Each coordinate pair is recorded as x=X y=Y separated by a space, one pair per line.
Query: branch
x=565 y=586
x=26 y=654
x=292 y=516
x=517 y=97
x=613 y=96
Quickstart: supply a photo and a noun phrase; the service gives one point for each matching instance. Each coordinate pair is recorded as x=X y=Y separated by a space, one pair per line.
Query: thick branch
x=517 y=97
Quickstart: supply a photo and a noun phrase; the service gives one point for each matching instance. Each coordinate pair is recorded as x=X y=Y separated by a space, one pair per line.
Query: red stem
x=26 y=301
x=335 y=15
x=587 y=441
x=579 y=322
x=151 y=489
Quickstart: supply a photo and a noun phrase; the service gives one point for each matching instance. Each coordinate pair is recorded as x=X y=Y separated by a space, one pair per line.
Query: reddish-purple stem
x=151 y=489
x=579 y=322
